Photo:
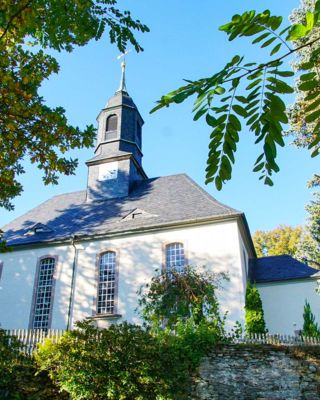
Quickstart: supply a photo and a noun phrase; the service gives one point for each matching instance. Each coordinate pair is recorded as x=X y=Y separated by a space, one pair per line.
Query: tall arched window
x=43 y=294
x=175 y=257
x=107 y=283
x=111 y=127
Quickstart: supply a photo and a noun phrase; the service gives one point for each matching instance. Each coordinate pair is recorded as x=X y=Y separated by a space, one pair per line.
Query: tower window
x=111 y=127
x=44 y=294
x=139 y=134
x=175 y=258
x=107 y=283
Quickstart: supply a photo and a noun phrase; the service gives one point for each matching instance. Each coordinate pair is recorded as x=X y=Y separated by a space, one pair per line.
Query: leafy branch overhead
x=252 y=93
x=28 y=127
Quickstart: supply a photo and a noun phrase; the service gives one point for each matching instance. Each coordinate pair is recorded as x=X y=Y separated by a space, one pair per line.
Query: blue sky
x=184 y=42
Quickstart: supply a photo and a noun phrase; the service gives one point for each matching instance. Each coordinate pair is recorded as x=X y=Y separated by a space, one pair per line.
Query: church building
x=86 y=254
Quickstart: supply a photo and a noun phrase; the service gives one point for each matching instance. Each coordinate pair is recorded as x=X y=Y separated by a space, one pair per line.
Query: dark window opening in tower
x=139 y=135
x=111 y=127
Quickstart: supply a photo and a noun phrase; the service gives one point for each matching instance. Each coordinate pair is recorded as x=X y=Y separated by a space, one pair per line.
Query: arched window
x=175 y=257
x=111 y=127
x=43 y=294
x=107 y=283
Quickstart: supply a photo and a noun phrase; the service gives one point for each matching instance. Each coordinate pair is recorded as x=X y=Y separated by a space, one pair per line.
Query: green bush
x=254 y=315
x=18 y=377
x=310 y=327
x=121 y=362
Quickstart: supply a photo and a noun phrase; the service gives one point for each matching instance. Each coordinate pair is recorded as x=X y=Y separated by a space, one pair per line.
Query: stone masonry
x=259 y=372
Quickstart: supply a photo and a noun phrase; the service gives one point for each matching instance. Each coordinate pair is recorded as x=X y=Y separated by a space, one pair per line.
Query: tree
x=303 y=131
x=175 y=297
x=282 y=240
x=253 y=92
x=254 y=315
x=28 y=127
x=310 y=327
x=309 y=247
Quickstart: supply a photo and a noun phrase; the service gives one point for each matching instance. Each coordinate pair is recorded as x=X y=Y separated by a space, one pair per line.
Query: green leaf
x=211 y=120
x=235 y=122
x=261 y=37
x=239 y=110
x=313 y=105
x=275 y=49
x=308 y=76
x=309 y=85
x=282 y=73
x=218 y=183
x=296 y=32
x=258 y=167
x=200 y=113
x=268 y=42
x=268 y=181
x=309 y=20
x=242 y=99
x=313 y=116
x=253 y=84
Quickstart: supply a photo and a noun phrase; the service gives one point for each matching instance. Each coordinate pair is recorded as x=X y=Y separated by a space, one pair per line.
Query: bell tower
x=117 y=163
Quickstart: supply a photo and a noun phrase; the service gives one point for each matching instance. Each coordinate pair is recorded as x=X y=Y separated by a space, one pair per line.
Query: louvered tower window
x=111 y=127
x=107 y=283
x=43 y=297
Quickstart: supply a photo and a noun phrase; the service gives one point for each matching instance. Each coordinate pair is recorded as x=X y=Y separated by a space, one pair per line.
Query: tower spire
x=122 y=86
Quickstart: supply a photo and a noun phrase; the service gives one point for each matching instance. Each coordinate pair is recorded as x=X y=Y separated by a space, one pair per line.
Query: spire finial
x=122 y=86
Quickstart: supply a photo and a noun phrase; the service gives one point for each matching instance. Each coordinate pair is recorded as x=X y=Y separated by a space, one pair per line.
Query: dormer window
x=38 y=229
x=111 y=127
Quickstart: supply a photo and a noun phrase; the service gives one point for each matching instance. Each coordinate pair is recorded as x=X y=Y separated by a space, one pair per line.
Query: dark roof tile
x=278 y=268
x=164 y=200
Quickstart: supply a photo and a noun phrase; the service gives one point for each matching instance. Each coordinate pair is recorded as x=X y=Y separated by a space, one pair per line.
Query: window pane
x=43 y=294
x=107 y=281
x=175 y=257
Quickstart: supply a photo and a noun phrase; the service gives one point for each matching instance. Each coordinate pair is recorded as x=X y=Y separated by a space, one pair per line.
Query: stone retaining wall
x=259 y=372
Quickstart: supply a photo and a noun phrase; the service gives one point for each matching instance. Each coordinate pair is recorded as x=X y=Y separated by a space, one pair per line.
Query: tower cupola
x=117 y=163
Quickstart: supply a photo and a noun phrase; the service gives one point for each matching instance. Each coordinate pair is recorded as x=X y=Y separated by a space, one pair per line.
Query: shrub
x=310 y=327
x=18 y=377
x=254 y=315
x=121 y=362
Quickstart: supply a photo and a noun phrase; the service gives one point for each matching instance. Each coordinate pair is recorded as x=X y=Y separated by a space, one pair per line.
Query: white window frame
x=47 y=288
x=110 y=284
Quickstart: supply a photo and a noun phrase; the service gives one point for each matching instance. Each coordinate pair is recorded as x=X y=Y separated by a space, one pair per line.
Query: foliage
x=283 y=239
x=177 y=296
x=309 y=247
x=254 y=311
x=310 y=327
x=121 y=362
x=28 y=127
x=303 y=131
x=18 y=378
x=253 y=92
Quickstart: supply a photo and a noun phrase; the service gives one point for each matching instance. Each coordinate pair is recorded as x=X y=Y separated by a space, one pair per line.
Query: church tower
x=117 y=161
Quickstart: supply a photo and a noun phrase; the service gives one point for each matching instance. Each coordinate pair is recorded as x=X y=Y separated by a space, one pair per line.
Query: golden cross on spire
x=122 y=87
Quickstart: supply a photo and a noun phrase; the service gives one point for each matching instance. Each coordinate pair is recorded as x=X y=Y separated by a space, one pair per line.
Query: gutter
x=72 y=282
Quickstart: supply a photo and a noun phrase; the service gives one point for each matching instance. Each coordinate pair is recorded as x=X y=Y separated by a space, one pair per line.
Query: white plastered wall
x=283 y=304
x=214 y=245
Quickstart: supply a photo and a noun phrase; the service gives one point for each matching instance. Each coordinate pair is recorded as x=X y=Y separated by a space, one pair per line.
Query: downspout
x=72 y=281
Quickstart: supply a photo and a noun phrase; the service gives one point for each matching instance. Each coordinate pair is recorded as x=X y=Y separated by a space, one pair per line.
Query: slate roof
x=164 y=200
x=279 y=268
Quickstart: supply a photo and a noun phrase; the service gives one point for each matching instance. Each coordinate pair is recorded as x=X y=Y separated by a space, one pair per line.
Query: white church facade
x=86 y=254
